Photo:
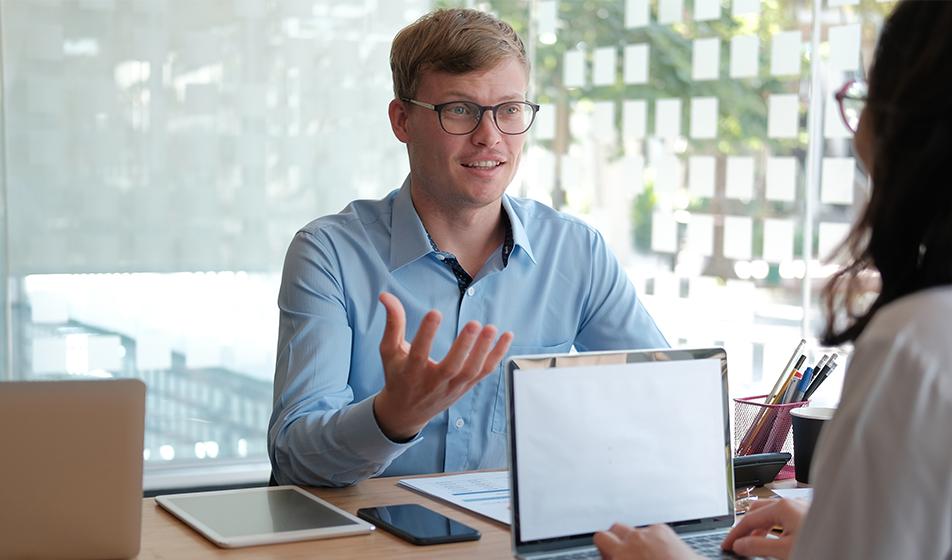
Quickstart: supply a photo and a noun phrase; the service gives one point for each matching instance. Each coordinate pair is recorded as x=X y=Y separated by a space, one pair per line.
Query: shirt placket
x=460 y=425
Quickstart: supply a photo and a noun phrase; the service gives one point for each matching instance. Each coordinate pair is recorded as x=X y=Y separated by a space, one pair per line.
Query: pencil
x=759 y=419
x=786 y=368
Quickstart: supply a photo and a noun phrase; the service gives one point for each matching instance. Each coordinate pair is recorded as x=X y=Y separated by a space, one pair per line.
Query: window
x=159 y=156
x=702 y=139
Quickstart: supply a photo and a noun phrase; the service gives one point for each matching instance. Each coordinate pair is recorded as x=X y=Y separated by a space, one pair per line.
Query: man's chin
x=483 y=195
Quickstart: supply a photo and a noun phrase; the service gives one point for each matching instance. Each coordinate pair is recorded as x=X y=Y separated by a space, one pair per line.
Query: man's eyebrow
x=465 y=96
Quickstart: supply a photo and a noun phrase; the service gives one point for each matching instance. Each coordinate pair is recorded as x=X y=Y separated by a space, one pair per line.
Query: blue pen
x=802 y=386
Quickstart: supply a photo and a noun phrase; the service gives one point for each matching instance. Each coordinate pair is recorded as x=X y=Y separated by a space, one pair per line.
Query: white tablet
x=250 y=516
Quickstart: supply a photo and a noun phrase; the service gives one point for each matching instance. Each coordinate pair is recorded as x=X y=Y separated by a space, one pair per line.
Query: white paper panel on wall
x=668 y=118
x=636 y=13
x=664 y=233
x=745 y=56
x=738 y=237
x=839 y=174
x=705 y=59
x=636 y=64
x=739 y=178
x=778 y=240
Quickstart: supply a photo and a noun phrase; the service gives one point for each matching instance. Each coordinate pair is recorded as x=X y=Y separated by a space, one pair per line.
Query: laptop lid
x=71 y=468
x=637 y=437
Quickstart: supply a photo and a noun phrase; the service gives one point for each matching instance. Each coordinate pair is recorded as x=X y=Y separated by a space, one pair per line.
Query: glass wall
x=158 y=156
x=6 y=365
x=702 y=138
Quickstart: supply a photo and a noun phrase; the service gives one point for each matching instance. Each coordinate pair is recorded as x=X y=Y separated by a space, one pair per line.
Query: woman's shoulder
x=908 y=337
x=925 y=316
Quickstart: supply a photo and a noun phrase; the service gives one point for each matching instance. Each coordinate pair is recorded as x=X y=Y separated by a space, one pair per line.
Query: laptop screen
x=631 y=437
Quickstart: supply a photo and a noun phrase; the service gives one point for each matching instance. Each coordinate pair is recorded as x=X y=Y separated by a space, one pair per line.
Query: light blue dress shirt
x=561 y=287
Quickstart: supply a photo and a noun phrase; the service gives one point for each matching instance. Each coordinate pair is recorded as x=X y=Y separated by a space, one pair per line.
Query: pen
x=802 y=359
x=803 y=385
x=778 y=399
x=816 y=384
x=818 y=373
x=819 y=365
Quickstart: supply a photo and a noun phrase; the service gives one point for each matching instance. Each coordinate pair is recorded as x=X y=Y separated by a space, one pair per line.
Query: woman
x=882 y=472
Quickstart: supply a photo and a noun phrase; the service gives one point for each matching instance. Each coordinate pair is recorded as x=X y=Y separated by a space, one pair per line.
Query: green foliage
x=742 y=120
x=641 y=213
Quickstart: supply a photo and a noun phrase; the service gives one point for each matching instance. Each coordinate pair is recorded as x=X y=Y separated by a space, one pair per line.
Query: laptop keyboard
x=576 y=555
x=709 y=546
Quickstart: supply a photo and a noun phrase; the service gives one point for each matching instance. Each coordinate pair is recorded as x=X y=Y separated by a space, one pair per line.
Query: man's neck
x=471 y=234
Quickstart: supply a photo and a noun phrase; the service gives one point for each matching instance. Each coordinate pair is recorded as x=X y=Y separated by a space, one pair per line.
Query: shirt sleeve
x=881 y=469
x=614 y=317
x=317 y=435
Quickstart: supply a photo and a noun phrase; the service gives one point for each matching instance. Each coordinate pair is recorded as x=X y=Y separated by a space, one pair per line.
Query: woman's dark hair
x=905 y=231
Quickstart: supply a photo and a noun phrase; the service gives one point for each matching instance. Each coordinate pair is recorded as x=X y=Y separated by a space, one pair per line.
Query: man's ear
x=398 y=120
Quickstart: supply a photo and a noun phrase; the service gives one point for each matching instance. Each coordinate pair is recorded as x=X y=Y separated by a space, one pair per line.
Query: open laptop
x=71 y=474
x=636 y=437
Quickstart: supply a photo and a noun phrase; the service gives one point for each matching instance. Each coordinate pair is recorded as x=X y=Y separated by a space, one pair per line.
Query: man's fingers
x=478 y=366
x=465 y=344
x=498 y=352
x=423 y=341
x=395 y=331
x=762 y=546
x=477 y=356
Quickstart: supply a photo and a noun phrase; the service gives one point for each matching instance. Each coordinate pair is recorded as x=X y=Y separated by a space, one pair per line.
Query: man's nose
x=486 y=133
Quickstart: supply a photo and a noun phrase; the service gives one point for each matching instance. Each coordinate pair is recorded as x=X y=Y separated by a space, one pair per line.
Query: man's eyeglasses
x=851 y=99
x=462 y=117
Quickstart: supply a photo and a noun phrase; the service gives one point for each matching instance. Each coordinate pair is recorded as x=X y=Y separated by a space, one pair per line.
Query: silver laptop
x=636 y=437
x=72 y=468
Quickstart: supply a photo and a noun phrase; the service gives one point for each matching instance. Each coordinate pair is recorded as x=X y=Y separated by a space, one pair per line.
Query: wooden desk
x=164 y=536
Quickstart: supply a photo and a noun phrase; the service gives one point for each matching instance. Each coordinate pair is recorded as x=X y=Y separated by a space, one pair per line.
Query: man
x=447 y=252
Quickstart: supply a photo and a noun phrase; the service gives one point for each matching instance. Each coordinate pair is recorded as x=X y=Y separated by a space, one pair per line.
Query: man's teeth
x=483 y=164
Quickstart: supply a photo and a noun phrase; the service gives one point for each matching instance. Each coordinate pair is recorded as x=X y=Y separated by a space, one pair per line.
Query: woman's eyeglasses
x=851 y=99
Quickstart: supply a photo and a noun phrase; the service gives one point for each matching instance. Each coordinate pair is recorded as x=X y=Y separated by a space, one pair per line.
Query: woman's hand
x=750 y=536
x=657 y=542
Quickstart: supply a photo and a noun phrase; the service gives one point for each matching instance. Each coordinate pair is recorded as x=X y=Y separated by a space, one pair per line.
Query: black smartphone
x=417 y=524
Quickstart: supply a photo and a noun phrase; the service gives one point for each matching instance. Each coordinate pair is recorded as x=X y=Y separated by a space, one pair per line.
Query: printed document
x=485 y=493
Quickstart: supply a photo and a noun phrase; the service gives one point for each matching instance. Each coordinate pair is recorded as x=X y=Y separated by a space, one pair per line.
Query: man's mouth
x=483 y=164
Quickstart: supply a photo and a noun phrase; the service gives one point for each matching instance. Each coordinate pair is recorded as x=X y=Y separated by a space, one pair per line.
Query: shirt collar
x=519 y=236
x=408 y=237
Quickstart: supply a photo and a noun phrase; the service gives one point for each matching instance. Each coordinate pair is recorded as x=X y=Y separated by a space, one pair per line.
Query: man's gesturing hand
x=416 y=388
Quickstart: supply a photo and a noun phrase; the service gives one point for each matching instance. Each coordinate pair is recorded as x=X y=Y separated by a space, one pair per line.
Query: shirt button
x=471 y=292
x=441 y=257
x=460 y=423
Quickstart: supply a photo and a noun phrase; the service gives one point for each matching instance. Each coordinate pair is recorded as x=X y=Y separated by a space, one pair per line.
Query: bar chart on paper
x=483 y=493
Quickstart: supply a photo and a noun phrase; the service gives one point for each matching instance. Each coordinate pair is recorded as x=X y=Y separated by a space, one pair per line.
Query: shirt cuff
x=366 y=439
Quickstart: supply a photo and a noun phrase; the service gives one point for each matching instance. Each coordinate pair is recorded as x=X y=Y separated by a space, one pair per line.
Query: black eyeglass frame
x=844 y=93
x=479 y=116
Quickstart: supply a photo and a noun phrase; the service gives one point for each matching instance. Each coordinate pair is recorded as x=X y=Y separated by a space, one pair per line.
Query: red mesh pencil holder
x=764 y=428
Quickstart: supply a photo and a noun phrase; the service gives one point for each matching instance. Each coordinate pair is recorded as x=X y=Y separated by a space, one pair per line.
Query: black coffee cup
x=807 y=424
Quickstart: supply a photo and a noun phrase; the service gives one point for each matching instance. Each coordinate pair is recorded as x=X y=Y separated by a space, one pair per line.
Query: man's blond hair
x=455 y=41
